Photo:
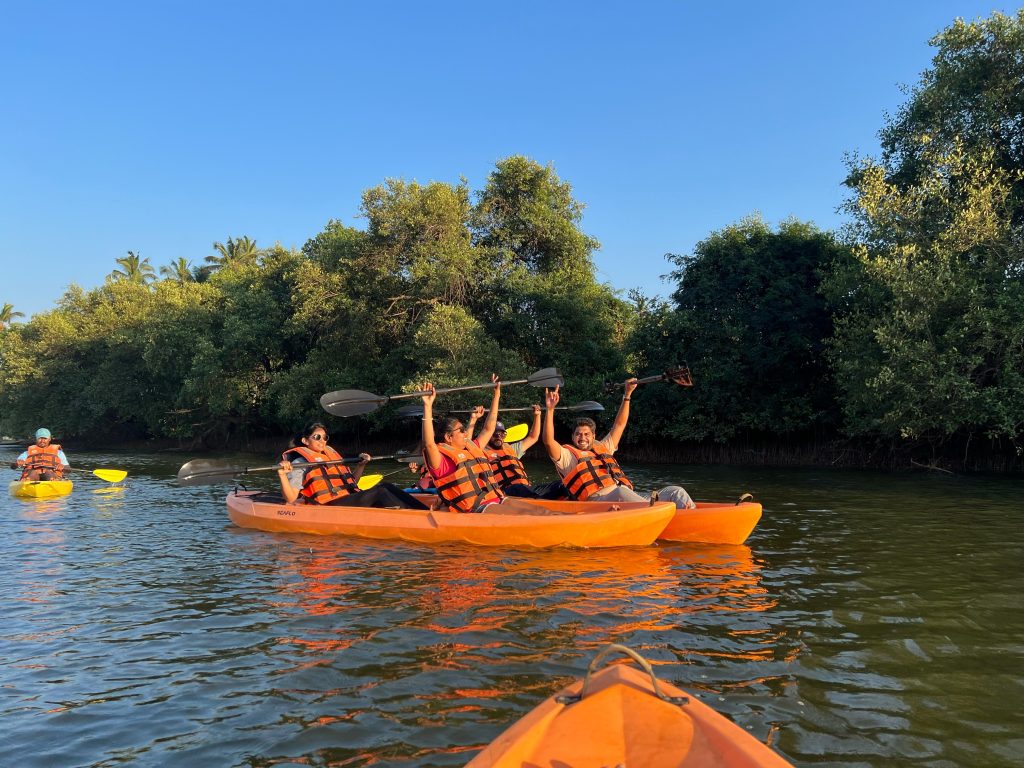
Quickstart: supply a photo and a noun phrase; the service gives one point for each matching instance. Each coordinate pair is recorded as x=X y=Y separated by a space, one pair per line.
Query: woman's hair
x=586 y=421
x=308 y=430
x=443 y=426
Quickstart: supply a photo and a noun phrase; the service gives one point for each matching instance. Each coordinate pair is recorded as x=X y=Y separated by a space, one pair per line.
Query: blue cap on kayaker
x=499 y=427
x=43 y=432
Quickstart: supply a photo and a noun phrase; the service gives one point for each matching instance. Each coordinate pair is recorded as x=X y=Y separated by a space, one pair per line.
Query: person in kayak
x=506 y=460
x=45 y=460
x=459 y=467
x=335 y=484
x=588 y=467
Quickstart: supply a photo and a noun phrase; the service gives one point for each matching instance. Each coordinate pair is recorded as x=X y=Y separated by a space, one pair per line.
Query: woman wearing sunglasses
x=333 y=484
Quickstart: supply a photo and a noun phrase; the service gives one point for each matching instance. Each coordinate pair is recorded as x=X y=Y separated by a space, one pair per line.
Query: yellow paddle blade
x=366 y=482
x=516 y=433
x=110 y=475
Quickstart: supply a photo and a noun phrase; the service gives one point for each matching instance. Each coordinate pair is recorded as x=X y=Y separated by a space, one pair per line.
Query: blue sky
x=161 y=127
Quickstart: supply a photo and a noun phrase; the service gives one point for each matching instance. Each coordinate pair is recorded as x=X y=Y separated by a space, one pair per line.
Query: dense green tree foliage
x=436 y=287
x=970 y=100
x=748 y=317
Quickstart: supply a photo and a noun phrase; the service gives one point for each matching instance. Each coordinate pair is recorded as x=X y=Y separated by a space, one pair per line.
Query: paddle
x=516 y=433
x=211 y=472
x=366 y=482
x=110 y=475
x=352 y=402
x=680 y=375
x=408 y=411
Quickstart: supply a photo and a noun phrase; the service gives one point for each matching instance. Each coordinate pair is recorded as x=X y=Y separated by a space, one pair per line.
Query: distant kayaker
x=42 y=461
x=334 y=484
x=588 y=467
x=506 y=460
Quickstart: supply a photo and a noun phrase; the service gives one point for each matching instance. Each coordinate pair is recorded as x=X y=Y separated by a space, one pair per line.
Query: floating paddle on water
x=211 y=471
x=352 y=402
x=680 y=375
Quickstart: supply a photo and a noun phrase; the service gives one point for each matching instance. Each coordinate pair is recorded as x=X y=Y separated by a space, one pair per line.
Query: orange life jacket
x=471 y=485
x=322 y=485
x=506 y=466
x=595 y=469
x=43 y=458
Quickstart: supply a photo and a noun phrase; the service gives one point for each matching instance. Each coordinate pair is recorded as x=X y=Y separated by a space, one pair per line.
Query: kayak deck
x=593 y=525
x=40 y=489
x=620 y=721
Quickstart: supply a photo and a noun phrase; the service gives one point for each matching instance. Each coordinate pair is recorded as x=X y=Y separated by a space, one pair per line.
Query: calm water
x=872 y=620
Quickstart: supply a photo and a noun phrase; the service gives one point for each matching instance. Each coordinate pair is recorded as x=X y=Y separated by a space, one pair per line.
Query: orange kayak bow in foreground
x=579 y=524
x=622 y=716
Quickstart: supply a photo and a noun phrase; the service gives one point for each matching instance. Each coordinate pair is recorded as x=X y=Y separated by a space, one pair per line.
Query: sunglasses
x=457 y=429
x=318 y=437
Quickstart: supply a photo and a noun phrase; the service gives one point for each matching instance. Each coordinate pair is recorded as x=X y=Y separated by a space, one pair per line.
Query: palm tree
x=134 y=269
x=180 y=270
x=242 y=249
x=7 y=314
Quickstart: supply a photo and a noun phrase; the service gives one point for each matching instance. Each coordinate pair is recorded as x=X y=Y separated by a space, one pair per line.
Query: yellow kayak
x=40 y=489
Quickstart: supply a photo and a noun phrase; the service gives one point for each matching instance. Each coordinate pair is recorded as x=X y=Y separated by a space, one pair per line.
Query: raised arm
x=622 y=417
x=548 y=435
x=430 y=453
x=530 y=440
x=492 y=415
x=474 y=417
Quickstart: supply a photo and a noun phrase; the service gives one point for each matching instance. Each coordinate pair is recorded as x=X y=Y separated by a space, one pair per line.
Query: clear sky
x=161 y=127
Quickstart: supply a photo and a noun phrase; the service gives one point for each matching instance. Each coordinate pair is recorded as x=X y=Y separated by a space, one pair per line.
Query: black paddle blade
x=586 y=405
x=409 y=412
x=545 y=377
x=680 y=375
x=207 y=472
x=351 y=402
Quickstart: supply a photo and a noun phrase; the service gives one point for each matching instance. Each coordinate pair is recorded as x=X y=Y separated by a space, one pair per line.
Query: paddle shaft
x=579 y=407
x=446 y=390
x=226 y=473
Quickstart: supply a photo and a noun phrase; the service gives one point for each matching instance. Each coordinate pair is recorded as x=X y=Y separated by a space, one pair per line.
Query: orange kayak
x=713 y=523
x=624 y=716
x=579 y=524
x=709 y=523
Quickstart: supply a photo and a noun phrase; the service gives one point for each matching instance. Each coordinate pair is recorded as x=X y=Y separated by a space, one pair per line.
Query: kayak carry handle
x=643 y=663
x=744 y=497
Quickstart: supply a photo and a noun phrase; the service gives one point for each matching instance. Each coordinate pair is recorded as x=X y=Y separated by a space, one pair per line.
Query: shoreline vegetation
x=896 y=342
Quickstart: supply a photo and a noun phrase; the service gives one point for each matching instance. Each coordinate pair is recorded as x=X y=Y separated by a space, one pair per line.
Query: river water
x=870 y=620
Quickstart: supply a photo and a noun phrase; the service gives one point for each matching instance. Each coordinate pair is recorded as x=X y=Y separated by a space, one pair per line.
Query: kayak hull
x=620 y=721
x=713 y=523
x=588 y=526
x=40 y=489
x=709 y=523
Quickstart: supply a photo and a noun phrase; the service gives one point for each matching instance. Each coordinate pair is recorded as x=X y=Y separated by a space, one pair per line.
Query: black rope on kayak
x=640 y=660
